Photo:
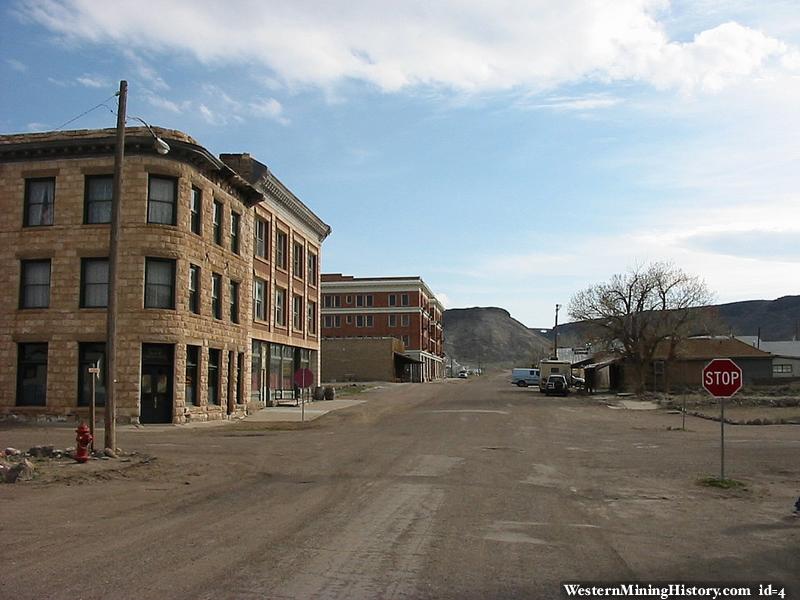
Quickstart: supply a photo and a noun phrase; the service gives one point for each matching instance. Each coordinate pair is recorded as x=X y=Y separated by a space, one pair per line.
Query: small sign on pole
x=722 y=378
x=95 y=373
x=303 y=378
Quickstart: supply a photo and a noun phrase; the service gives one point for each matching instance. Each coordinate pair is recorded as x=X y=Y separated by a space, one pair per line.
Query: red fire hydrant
x=83 y=440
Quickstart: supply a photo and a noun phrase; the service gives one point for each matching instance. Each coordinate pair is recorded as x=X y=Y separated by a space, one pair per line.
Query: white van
x=525 y=377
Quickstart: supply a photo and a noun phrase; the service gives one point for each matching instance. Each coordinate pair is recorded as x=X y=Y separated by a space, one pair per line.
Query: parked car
x=525 y=377
x=556 y=384
x=463 y=375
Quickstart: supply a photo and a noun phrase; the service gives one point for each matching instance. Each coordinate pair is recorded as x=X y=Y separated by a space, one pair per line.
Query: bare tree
x=638 y=311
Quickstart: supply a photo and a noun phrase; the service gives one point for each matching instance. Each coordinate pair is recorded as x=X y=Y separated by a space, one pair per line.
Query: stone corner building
x=218 y=278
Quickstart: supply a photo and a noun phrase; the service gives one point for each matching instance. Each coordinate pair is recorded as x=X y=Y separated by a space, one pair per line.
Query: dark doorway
x=156 y=390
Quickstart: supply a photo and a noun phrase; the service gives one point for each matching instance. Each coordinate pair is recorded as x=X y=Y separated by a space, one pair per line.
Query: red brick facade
x=399 y=307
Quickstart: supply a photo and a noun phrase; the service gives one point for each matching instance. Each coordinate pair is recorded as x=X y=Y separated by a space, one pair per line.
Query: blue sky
x=510 y=153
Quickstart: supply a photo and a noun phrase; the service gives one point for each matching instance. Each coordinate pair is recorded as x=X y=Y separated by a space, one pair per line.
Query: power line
x=83 y=114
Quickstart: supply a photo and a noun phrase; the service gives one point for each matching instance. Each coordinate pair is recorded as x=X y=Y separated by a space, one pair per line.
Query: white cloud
x=577 y=103
x=160 y=102
x=464 y=46
x=17 y=65
x=208 y=115
x=92 y=81
x=270 y=109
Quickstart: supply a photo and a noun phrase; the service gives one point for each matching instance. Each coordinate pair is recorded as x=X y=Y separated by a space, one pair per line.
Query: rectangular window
x=217 y=223
x=369 y=300
x=32 y=374
x=94 y=282
x=216 y=295
x=782 y=369
x=349 y=319
x=235 y=220
x=260 y=238
x=213 y=375
x=359 y=320
x=312 y=269
x=280 y=307
x=297 y=312
x=90 y=356
x=34 y=284
x=192 y=375
x=297 y=260
x=359 y=300
x=405 y=320
x=159 y=283
x=327 y=321
x=311 y=317
x=259 y=295
x=40 y=197
x=392 y=299
x=234 y=301
x=392 y=320
x=161 y=195
x=331 y=301
x=280 y=249
x=404 y=299
x=369 y=321
x=194 y=289
x=98 y=191
x=406 y=341
x=197 y=211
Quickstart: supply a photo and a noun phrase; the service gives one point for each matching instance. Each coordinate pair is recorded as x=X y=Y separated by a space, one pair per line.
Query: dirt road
x=466 y=489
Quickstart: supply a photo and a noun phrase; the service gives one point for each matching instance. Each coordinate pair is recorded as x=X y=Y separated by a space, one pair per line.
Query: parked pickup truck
x=525 y=377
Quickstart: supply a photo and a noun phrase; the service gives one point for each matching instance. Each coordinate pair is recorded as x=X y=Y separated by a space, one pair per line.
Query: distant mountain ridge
x=491 y=336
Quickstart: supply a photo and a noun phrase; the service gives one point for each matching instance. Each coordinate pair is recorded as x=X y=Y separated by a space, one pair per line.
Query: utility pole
x=555 y=335
x=111 y=311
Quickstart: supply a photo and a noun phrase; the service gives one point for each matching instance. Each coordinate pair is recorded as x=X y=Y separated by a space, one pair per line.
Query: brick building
x=218 y=277
x=399 y=307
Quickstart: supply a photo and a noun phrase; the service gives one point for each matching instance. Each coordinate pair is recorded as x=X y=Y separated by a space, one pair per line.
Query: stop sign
x=722 y=378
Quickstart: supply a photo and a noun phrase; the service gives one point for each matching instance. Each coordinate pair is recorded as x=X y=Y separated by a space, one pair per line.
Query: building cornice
x=91 y=143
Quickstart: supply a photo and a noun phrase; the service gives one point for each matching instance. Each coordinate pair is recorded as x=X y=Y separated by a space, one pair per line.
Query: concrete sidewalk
x=293 y=414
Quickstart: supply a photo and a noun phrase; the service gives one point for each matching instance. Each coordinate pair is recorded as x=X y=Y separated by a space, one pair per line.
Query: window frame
x=233 y=300
x=235 y=231
x=22 y=366
x=173 y=204
x=193 y=370
x=216 y=296
x=263 y=302
x=156 y=260
x=281 y=249
x=311 y=267
x=297 y=312
x=196 y=212
x=263 y=241
x=280 y=306
x=216 y=222
x=84 y=263
x=195 y=285
x=27 y=202
x=311 y=317
x=298 y=260
x=24 y=263
x=87 y=201
x=213 y=366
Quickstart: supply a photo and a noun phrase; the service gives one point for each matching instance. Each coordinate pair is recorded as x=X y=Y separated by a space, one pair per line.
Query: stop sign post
x=722 y=378
x=303 y=378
